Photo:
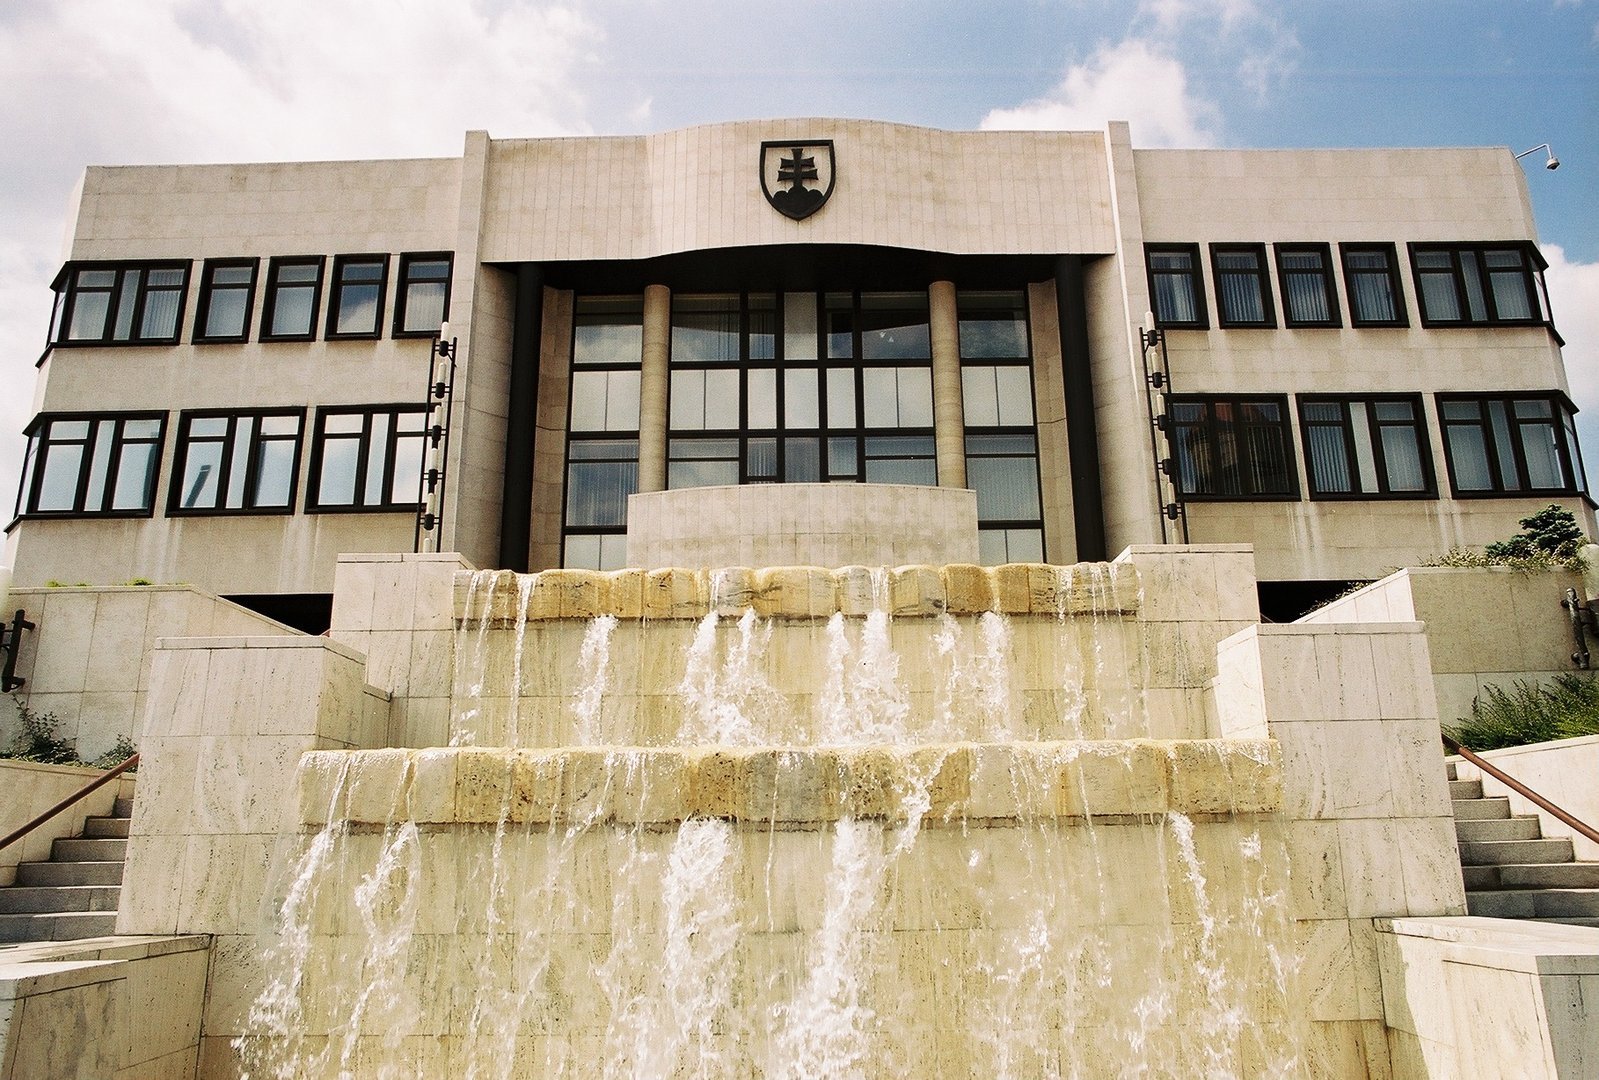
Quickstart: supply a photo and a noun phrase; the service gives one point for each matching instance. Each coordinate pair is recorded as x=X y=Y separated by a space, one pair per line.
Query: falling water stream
x=1023 y=942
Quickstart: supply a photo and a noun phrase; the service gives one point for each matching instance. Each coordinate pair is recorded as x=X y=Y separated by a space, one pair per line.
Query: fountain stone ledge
x=1086 y=780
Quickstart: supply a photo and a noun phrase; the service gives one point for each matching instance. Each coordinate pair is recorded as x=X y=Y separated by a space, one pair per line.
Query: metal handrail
x=1521 y=789
x=82 y=793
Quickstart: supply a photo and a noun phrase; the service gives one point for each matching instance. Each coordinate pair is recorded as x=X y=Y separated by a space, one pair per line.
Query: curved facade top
x=637 y=197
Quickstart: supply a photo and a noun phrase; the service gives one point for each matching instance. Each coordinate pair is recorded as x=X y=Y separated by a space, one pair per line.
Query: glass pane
x=840 y=323
x=202 y=476
x=280 y=425
x=800 y=407
x=705 y=329
x=1365 y=459
x=1532 y=408
x=690 y=474
x=597 y=491
x=1306 y=296
x=841 y=398
x=94 y=494
x=224 y=316
x=1007 y=487
x=424 y=306
x=339 y=423
x=613 y=551
x=921 y=472
x=1469 y=454
x=407 y=481
x=274 y=473
x=1329 y=460
x=991 y=547
x=762 y=399
x=841 y=457
x=1401 y=454
x=291 y=311
x=993 y=325
x=231 y=275
x=762 y=309
x=721 y=399
x=880 y=389
x=96 y=279
x=1511 y=300
x=160 y=313
x=210 y=426
x=1472 y=277
x=608 y=330
x=1373 y=298
x=802 y=460
x=1505 y=451
x=979 y=397
x=894 y=326
x=588 y=400
x=297 y=272
x=141 y=429
x=582 y=553
x=88 y=316
x=621 y=400
x=358 y=307
x=687 y=402
x=915 y=397
x=1542 y=453
x=1024 y=545
x=377 y=457
x=1439 y=298
x=58 y=487
x=127 y=301
x=1174 y=299
x=799 y=326
x=1015 y=388
x=238 y=464
x=760 y=459
x=135 y=482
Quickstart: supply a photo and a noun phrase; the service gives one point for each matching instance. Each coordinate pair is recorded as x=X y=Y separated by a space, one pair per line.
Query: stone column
x=949 y=422
x=652 y=388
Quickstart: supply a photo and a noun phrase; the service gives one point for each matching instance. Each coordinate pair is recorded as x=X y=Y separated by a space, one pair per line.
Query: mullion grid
x=1242 y=433
x=1375 y=426
x=42 y=446
x=120 y=306
x=363 y=445
x=1482 y=421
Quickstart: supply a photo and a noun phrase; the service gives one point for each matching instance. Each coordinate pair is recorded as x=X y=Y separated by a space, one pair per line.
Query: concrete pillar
x=949 y=421
x=652 y=388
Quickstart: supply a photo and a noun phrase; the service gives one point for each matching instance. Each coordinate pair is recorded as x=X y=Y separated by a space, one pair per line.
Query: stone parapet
x=778 y=786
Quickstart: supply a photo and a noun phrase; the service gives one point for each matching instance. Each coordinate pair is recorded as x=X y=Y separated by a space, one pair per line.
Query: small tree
x=1551 y=533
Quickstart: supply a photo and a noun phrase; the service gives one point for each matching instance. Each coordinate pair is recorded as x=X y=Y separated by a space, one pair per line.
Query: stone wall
x=1563 y=772
x=28 y=789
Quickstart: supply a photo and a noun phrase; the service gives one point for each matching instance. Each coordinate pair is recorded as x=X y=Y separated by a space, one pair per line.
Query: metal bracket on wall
x=1157 y=389
x=1583 y=626
x=10 y=644
x=440 y=400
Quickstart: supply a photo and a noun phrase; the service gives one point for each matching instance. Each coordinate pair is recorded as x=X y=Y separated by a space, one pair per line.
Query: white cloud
x=1574 y=296
x=1133 y=80
x=113 y=82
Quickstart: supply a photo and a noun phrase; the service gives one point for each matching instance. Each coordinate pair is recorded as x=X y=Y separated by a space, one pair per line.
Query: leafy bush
x=1548 y=539
x=1566 y=707
x=37 y=740
x=120 y=751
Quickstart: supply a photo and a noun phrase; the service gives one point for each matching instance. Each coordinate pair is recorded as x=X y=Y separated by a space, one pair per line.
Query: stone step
x=24 y=899
x=1465 y=789
x=122 y=807
x=1535 y=904
x=1485 y=808
x=57 y=926
x=1504 y=852
x=1562 y=875
x=1449 y=769
x=88 y=850
x=1584 y=921
x=1523 y=827
x=70 y=873
x=104 y=828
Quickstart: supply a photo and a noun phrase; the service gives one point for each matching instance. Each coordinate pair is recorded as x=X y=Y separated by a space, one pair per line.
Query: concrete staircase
x=74 y=894
x=1513 y=871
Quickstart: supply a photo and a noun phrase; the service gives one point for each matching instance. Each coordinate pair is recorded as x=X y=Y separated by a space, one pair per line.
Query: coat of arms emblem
x=797 y=175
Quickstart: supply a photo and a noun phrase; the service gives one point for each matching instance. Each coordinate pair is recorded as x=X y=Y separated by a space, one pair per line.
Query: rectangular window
x=1371 y=280
x=1306 y=275
x=293 y=297
x=227 y=293
x=1001 y=444
x=422 y=302
x=1243 y=288
x=602 y=422
x=355 y=302
x=1479 y=284
x=236 y=462
x=600 y=475
x=1232 y=447
x=1366 y=447
x=367 y=458
x=122 y=304
x=1177 y=287
x=1510 y=444
x=79 y=465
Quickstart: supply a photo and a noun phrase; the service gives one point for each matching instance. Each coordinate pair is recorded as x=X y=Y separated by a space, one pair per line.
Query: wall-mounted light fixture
x=1551 y=164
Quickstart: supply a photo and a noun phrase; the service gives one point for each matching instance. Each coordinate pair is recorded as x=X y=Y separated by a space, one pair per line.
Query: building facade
x=1352 y=363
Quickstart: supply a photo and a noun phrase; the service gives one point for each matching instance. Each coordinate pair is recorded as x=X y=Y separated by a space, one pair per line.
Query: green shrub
x=120 y=751
x=1566 y=707
x=37 y=740
x=1548 y=540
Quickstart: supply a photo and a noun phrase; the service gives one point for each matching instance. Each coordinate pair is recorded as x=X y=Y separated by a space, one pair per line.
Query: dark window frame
x=269 y=306
x=1395 y=284
x=1334 y=318
x=1262 y=276
x=66 y=284
x=632 y=305
x=185 y=440
x=1284 y=424
x=402 y=295
x=1531 y=273
x=1196 y=277
x=363 y=439
x=37 y=455
x=202 y=309
x=1348 y=402
x=337 y=285
x=1569 y=451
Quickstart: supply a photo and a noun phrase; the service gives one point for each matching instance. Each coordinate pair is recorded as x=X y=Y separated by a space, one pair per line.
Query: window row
x=362 y=458
x=143 y=303
x=1374 y=446
x=1456 y=285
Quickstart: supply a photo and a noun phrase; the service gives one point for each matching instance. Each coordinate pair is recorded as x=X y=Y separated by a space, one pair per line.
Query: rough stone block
x=968 y=589
x=916 y=591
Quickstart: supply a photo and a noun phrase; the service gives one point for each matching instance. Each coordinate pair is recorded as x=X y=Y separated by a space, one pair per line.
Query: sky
x=112 y=82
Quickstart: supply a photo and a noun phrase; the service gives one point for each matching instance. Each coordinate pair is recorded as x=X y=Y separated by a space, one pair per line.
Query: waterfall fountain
x=790 y=823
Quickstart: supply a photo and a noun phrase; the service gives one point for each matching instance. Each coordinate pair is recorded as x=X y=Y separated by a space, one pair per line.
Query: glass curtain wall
x=603 y=438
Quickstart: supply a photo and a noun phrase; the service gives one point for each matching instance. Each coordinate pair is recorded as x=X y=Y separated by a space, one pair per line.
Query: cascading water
x=843 y=845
